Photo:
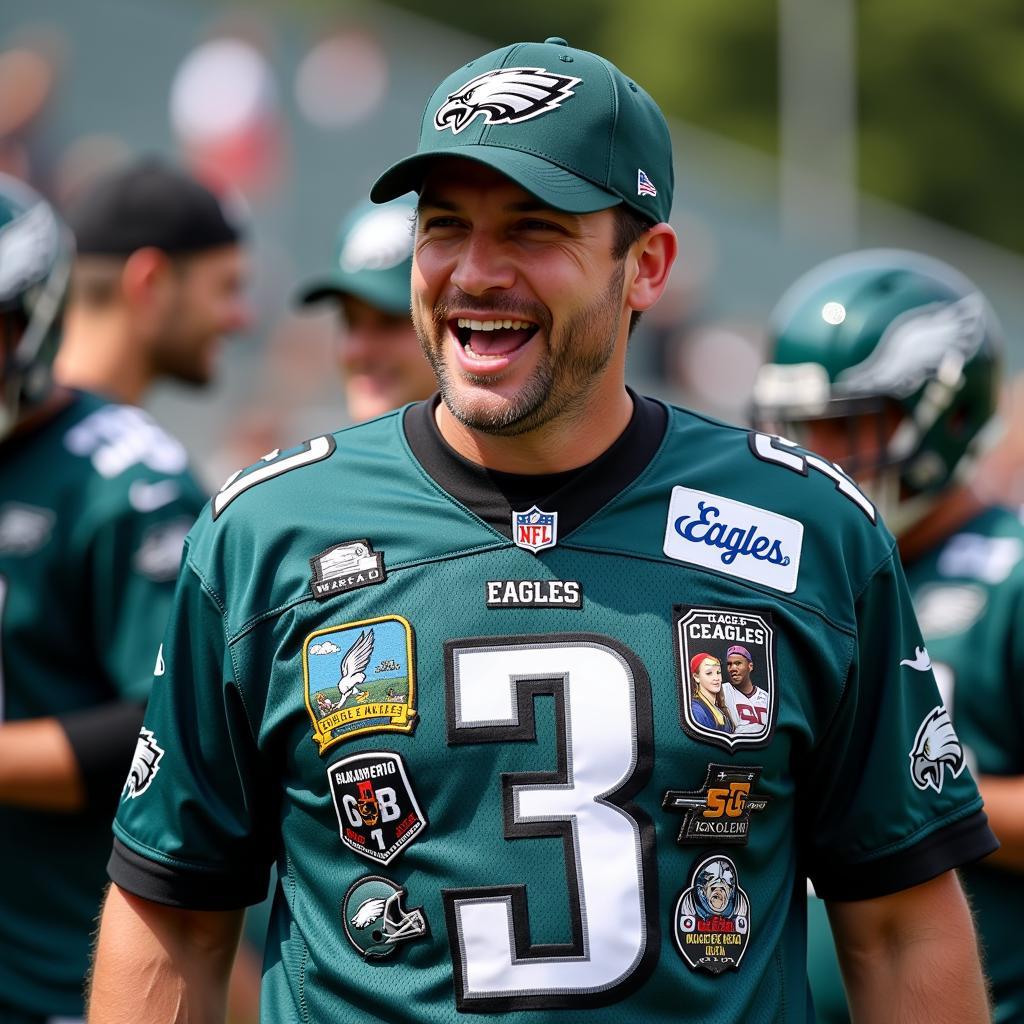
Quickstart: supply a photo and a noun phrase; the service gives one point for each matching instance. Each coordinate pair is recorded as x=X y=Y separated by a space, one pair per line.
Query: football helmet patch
x=374 y=919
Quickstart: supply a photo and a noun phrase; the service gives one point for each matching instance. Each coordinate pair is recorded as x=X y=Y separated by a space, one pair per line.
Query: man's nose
x=483 y=263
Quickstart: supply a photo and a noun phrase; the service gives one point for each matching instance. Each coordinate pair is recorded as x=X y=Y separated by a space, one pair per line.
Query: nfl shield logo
x=535 y=530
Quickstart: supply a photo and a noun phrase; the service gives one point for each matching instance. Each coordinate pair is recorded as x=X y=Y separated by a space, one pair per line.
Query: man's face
x=856 y=442
x=717 y=892
x=206 y=303
x=739 y=671
x=380 y=360
x=519 y=308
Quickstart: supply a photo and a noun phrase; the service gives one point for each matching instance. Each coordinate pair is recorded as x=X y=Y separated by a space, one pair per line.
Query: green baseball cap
x=372 y=258
x=564 y=124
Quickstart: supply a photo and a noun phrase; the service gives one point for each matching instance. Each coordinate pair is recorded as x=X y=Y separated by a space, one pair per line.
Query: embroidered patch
x=732 y=537
x=725 y=660
x=535 y=530
x=504 y=96
x=378 y=815
x=346 y=566
x=644 y=185
x=711 y=920
x=360 y=678
x=720 y=810
x=936 y=751
x=533 y=594
x=374 y=919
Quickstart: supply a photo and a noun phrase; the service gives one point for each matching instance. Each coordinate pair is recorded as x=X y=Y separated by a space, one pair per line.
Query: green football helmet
x=374 y=919
x=36 y=252
x=899 y=338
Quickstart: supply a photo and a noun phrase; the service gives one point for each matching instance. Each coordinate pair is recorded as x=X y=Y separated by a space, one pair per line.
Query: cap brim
x=381 y=290
x=553 y=185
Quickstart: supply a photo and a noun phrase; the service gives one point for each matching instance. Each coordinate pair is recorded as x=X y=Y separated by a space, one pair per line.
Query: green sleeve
x=889 y=800
x=194 y=825
x=133 y=560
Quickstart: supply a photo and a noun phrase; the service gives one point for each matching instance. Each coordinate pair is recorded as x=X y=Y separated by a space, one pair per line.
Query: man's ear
x=655 y=253
x=145 y=275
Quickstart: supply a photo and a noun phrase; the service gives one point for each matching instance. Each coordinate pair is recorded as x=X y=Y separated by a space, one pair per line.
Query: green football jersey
x=969 y=596
x=481 y=736
x=94 y=507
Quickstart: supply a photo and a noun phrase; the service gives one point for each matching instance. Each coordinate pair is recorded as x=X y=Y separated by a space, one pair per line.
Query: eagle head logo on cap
x=504 y=96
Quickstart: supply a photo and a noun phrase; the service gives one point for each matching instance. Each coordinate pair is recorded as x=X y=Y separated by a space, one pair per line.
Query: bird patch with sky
x=359 y=678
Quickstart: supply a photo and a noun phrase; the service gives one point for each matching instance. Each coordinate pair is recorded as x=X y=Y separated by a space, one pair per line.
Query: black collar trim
x=575 y=494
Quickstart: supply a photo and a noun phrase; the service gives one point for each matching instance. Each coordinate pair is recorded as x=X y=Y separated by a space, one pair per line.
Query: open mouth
x=492 y=338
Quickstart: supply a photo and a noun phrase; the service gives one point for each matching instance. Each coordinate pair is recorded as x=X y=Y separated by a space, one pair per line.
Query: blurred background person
x=887 y=363
x=158 y=283
x=380 y=358
x=95 y=500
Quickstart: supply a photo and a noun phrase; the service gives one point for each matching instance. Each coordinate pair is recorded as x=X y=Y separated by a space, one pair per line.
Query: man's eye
x=440 y=222
x=542 y=225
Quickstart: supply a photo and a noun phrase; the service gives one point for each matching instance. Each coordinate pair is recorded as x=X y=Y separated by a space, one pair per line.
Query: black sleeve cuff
x=103 y=740
x=191 y=890
x=954 y=846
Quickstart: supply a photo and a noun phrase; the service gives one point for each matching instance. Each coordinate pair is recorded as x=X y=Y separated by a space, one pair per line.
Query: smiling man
x=521 y=571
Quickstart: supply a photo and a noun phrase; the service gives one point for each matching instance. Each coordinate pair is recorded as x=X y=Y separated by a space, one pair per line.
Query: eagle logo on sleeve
x=504 y=96
x=145 y=765
x=936 y=751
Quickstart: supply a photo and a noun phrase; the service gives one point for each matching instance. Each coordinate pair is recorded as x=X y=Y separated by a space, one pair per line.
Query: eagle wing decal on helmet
x=504 y=96
x=28 y=247
x=914 y=346
x=936 y=749
x=368 y=912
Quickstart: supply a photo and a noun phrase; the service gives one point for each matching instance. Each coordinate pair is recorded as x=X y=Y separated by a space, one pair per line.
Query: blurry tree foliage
x=941 y=89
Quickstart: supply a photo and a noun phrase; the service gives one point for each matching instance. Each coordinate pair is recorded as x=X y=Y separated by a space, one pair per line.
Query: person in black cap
x=157 y=284
x=95 y=501
x=436 y=665
x=379 y=355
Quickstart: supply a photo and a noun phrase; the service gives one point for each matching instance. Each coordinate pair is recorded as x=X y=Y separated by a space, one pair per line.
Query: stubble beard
x=181 y=355
x=563 y=380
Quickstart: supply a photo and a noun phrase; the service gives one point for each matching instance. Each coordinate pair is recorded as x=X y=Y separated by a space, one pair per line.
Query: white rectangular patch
x=741 y=540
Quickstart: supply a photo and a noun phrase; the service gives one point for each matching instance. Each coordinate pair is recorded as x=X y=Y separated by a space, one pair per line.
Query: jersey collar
x=575 y=494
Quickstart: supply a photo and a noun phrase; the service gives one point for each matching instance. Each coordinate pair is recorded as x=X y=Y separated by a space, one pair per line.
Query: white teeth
x=494 y=325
